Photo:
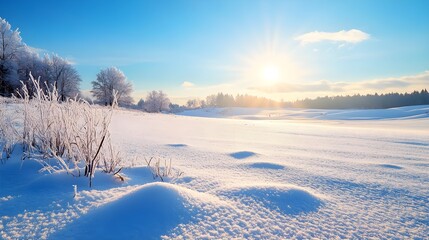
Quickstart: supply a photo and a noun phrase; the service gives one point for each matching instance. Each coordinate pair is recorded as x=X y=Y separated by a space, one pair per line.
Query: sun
x=270 y=73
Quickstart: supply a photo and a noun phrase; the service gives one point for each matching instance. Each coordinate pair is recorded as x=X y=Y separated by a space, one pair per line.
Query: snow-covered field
x=246 y=173
x=410 y=112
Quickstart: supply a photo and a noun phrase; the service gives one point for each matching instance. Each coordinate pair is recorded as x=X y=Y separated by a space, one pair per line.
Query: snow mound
x=152 y=210
x=266 y=165
x=242 y=154
x=286 y=199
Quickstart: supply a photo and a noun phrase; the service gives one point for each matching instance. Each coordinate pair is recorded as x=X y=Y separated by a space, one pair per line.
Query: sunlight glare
x=270 y=73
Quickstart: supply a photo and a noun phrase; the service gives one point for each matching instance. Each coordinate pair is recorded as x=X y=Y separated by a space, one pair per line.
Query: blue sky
x=195 y=48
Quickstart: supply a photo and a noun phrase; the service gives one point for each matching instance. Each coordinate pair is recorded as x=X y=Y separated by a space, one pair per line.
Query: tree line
x=228 y=100
x=369 y=101
x=18 y=60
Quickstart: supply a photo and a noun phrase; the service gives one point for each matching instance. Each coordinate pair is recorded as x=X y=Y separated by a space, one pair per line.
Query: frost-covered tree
x=17 y=60
x=61 y=74
x=10 y=45
x=30 y=62
x=193 y=103
x=109 y=80
x=211 y=100
x=68 y=83
x=157 y=101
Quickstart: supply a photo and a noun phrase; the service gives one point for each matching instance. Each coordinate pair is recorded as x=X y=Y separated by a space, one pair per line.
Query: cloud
x=384 y=84
x=397 y=84
x=410 y=82
x=350 y=36
x=319 y=86
x=187 y=84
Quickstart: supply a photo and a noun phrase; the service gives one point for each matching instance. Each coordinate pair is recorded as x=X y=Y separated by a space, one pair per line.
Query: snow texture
x=300 y=176
x=285 y=114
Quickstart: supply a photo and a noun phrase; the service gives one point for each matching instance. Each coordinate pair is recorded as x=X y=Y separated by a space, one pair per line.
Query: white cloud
x=187 y=84
x=350 y=36
x=317 y=86
x=396 y=84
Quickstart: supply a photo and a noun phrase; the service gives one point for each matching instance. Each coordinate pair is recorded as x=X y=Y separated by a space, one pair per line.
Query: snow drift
x=150 y=211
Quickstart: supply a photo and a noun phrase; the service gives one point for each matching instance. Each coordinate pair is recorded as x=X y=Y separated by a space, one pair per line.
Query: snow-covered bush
x=71 y=136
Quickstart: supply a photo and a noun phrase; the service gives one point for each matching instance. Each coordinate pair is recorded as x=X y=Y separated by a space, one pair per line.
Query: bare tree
x=109 y=80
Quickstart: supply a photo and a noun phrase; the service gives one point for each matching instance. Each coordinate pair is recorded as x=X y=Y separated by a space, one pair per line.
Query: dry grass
x=71 y=136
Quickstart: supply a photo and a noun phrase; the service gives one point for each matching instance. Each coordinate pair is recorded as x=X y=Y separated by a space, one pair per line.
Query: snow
x=283 y=198
x=150 y=210
x=421 y=111
x=247 y=173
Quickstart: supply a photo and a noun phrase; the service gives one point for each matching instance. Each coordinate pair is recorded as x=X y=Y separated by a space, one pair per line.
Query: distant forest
x=228 y=100
x=369 y=101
